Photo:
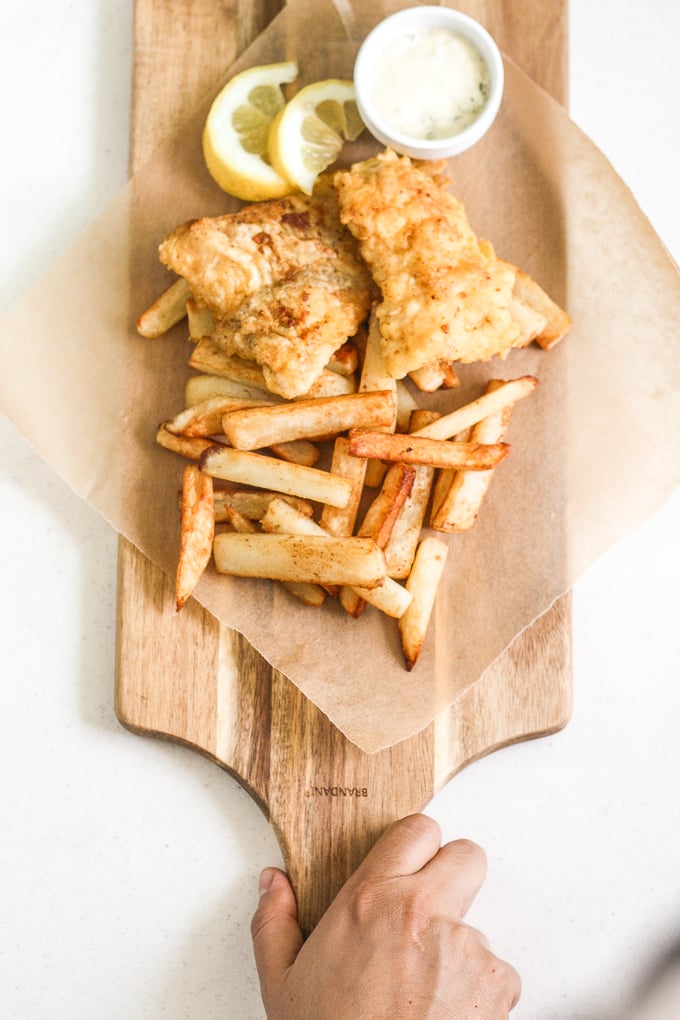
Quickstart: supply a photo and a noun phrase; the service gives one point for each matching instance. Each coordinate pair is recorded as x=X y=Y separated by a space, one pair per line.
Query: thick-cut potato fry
x=351 y=601
x=375 y=473
x=340 y=521
x=297 y=451
x=191 y=447
x=374 y=375
x=267 y=473
x=200 y=320
x=530 y=322
x=509 y=393
x=406 y=405
x=253 y=503
x=440 y=375
x=320 y=559
x=204 y=387
x=403 y=542
x=422 y=583
x=557 y=323
x=258 y=427
x=390 y=597
x=166 y=311
x=205 y=419
x=307 y=593
x=208 y=356
x=444 y=478
x=197 y=532
x=415 y=449
x=458 y=505
x=345 y=360
x=379 y=520
x=385 y=508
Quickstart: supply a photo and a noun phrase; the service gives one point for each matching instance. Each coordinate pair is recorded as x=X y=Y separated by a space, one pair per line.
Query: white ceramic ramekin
x=378 y=42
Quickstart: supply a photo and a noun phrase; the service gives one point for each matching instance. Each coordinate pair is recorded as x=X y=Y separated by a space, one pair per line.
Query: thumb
x=277 y=938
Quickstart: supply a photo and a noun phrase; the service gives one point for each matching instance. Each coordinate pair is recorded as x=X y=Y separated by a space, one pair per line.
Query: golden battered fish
x=294 y=327
x=283 y=280
x=445 y=297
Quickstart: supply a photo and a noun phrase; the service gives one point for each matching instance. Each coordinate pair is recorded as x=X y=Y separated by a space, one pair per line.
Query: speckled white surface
x=127 y=866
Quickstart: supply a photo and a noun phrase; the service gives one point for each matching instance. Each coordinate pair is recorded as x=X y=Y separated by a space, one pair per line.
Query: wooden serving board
x=188 y=678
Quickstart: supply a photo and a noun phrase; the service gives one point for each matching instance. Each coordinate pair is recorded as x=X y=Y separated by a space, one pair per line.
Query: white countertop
x=128 y=866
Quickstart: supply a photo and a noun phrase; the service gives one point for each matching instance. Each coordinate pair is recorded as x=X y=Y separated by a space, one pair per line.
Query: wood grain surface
x=188 y=678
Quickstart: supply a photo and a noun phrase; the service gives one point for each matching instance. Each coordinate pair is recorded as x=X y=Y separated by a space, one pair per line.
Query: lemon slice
x=307 y=134
x=235 y=137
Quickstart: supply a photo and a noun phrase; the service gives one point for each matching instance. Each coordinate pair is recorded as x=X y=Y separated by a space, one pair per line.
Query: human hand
x=392 y=945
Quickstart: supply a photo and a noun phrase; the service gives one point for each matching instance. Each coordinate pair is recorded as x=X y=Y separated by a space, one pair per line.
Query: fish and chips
x=317 y=324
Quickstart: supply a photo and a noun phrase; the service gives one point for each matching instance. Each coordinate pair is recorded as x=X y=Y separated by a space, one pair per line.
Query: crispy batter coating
x=444 y=295
x=294 y=327
x=283 y=280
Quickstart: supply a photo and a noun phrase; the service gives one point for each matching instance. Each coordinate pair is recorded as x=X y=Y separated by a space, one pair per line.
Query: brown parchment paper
x=595 y=450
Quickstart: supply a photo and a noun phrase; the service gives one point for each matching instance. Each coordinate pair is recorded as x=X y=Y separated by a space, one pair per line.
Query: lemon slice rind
x=307 y=135
x=236 y=132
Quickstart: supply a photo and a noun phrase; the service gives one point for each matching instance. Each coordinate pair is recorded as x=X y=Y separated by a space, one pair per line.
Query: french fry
x=385 y=508
x=203 y=387
x=416 y=449
x=191 y=447
x=445 y=478
x=557 y=323
x=509 y=393
x=345 y=360
x=253 y=503
x=200 y=320
x=307 y=593
x=264 y=472
x=258 y=427
x=406 y=405
x=375 y=473
x=375 y=377
x=530 y=322
x=440 y=375
x=297 y=451
x=197 y=532
x=390 y=597
x=166 y=311
x=209 y=357
x=422 y=583
x=340 y=521
x=320 y=559
x=205 y=419
x=458 y=504
x=330 y=384
x=403 y=541
x=380 y=518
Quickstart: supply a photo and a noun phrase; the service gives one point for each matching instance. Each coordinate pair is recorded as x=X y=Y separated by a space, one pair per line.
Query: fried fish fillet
x=283 y=280
x=445 y=297
x=293 y=328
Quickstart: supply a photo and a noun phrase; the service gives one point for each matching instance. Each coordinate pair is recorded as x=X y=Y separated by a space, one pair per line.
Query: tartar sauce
x=430 y=84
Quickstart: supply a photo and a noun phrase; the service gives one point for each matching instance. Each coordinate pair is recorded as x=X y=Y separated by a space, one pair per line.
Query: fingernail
x=266 y=880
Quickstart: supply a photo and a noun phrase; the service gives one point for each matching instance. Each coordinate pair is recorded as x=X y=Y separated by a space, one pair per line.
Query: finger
x=277 y=938
x=457 y=872
x=404 y=848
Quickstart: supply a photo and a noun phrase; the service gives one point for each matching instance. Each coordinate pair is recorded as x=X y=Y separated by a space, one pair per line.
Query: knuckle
x=470 y=851
x=420 y=826
x=502 y=981
x=367 y=903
